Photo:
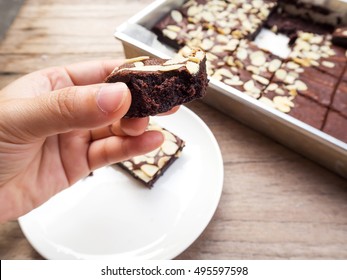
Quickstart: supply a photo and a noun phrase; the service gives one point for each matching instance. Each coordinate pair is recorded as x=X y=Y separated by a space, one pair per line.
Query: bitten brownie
x=158 y=85
x=149 y=167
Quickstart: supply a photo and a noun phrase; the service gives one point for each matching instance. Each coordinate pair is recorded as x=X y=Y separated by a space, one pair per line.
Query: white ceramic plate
x=112 y=216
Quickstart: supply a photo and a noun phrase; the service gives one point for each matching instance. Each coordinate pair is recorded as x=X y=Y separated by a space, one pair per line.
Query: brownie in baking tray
x=307 y=81
x=157 y=85
x=286 y=98
x=315 y=67
x=148 y=168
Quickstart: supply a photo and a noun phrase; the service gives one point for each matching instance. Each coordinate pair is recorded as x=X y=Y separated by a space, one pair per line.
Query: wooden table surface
x=275 y=203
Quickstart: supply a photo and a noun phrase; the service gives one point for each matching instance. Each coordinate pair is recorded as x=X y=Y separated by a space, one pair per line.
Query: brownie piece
x=282 y=22
x=157 y=85
x=340 y=36
x=335 y=63
x=308 y=81
x=335 y=125
x=188 y=25
x=316 y=50
x=340 y=99
x=286 y=99
x=149 y=167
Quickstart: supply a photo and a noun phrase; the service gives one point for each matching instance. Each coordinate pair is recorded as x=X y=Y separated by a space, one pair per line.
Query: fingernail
x=111 y=97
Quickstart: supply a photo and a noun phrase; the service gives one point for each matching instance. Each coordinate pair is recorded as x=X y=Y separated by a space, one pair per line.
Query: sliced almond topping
x=178 y=59
x=274 y=65
x=162 y=161
x=313 y=55
x=168 y=136
x=136 y=59
x=208 y=16
x=194 y=59
x=143 y=176
x=233 y=82
x=260 y=79
x=292 y=65
x=280 y=91
x=139 y=159
x=217 y=76
x=302 y=62
x=281 y=74
x=211 y=56
x=169 y=147
x=316 y=40
x=328 y=64
x=174 y=28
x=170 y=34
x=166 y=68
x=283 y=104
x=150 y=68
x=253 y=69
x=249 y=85
x=192 y=67
x=300 y=85
x=149 y=169
x=267 y=101
x=207 y=44
x=314 y=63
x=218 y=49
x=192 y=11
x=272 y=87
x=241 y=53
x=289 y=79
x=128 y=164
x=200 y=55
x=138 y=64
x=258 y=58
x=224 y=72
x=176 y=16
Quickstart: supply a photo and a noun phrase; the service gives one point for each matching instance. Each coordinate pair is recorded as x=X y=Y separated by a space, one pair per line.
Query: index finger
x=91 y=72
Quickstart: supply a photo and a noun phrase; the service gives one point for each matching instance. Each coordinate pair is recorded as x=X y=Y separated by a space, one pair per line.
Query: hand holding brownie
x=59 y=124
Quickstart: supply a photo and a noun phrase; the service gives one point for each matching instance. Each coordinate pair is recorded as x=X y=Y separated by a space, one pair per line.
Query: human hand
x=59 y=124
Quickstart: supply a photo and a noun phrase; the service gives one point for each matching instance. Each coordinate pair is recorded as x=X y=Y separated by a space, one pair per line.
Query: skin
x=59 y=124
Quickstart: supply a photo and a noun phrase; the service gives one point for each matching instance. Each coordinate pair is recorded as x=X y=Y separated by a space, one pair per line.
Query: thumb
x=79 y=107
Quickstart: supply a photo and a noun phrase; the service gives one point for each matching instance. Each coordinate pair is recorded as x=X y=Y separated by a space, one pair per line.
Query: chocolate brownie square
x=189 y=24
x=335 y=63
x=311 y=49
x=174 y=29
x=287 y=100
x=308 y=81
x=335 y=125
x=157 y=85
x=282 y=22
x=149 y=167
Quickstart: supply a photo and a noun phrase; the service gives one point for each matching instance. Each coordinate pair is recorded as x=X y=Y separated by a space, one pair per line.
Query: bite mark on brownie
x=158 y=85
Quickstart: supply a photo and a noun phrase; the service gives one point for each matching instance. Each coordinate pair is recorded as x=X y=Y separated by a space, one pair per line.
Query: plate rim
x=189 y=241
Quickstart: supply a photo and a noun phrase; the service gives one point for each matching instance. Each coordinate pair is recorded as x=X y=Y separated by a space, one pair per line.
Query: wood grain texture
x=275 y=203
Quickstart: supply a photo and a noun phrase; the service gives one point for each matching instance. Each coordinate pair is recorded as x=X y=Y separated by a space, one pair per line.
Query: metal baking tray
x=137 y=40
